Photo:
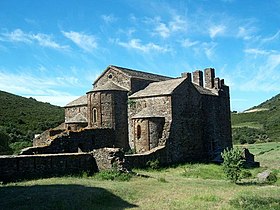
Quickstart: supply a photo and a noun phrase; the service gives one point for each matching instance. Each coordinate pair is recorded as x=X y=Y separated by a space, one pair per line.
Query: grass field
x=188 y=186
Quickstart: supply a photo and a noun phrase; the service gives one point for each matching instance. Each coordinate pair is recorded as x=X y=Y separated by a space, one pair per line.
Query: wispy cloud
x=166 y=29
x=109 y=18
x=138 y=45
x=267 y=76
x=255 y=51
x=82 y=40
x=188 y=43
x=43 y=88
x=216 y=30
x=271 y=38
x=43 y=40
x=245 y=32
x=162 y=30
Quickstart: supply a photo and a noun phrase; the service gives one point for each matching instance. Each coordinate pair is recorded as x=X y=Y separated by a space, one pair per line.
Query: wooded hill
x=258 y=124
x=21 y=118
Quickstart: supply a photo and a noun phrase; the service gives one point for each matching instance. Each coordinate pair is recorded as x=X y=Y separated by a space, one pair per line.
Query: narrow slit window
x=138 y=132
x=94 y=115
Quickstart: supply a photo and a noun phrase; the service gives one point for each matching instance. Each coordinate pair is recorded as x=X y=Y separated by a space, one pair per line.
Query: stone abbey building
x=177 y=119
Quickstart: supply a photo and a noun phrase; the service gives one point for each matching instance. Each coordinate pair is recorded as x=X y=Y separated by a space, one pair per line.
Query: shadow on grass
x=59 y=197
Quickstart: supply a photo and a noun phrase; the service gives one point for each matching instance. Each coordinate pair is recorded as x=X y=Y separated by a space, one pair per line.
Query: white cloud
x=244 y=33
x=43 y=40
x=166 y=29
x=82 y=40
x=216 y=30
x=60 y=100
x=188 y=43
x=162 y=30
x=109 y=18
x=255 y=51
x=266 y=77
x=271 y=38
x=137 y=44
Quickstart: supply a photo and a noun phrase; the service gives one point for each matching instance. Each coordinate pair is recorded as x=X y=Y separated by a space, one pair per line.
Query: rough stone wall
x=138 y=84
x=75 y=141
x=120 y=119
x=111 y=109
x=160 y=103
x=141 y=160
x=185 y=141
x=71 y=112
x=217 y=125
x=115 y=76
x=37 y=166
x=141 y=135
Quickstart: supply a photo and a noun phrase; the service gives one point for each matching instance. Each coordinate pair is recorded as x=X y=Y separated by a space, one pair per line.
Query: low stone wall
x=21 y=167
x=140 y=160
x=37 y=166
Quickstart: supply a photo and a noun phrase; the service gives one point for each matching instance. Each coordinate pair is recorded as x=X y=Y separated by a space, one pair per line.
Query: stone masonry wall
x=185 y=142
x=217 y=125
x=116 y=77
x=75 y=141
x=14 y=168
x=71 y=112
x=162 y=104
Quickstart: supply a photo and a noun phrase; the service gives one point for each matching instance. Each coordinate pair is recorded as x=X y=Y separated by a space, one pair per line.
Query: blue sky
x=53 y=50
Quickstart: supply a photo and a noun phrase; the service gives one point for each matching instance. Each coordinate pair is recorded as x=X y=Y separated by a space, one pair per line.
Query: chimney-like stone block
x=217 y=83
x=209 y=77
x=198 y=77
x=187 y=75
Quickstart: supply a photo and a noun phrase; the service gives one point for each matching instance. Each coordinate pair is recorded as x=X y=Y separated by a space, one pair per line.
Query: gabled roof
x=109 y=86
x=204 y=91
x=159 y=88
x=135 y=74
x=78 y=102
x=78 y=118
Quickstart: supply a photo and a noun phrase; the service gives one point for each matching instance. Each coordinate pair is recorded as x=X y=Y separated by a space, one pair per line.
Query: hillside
x=258 y=124
x=21 y=118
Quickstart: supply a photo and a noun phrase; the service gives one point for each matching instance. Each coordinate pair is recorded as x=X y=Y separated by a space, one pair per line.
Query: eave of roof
x=78 y=102
x=108 y=86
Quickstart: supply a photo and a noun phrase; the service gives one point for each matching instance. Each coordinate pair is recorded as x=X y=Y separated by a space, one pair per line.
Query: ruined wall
x=21 y=167
x=75 y=141
x=37 y=166
x=141 y=160
x=185 y=142
x=161 y=104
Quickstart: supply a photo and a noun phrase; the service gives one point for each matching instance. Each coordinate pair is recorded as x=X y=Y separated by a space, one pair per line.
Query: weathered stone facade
x=155 y=117
x=189 y=116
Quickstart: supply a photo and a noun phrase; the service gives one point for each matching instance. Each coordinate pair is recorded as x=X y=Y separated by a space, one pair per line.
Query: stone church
x=182 y=119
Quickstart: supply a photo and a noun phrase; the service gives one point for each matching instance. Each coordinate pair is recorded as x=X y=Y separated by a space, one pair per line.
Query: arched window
x=94 y=112
x=138 y=132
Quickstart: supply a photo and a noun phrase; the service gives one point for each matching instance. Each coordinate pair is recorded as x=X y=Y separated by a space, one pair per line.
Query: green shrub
x=255 y=202
x=153 y=164
x=114 y=175
x=233 y=164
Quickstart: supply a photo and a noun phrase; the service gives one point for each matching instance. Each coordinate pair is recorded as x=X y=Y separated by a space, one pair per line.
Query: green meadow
x=187 y=186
